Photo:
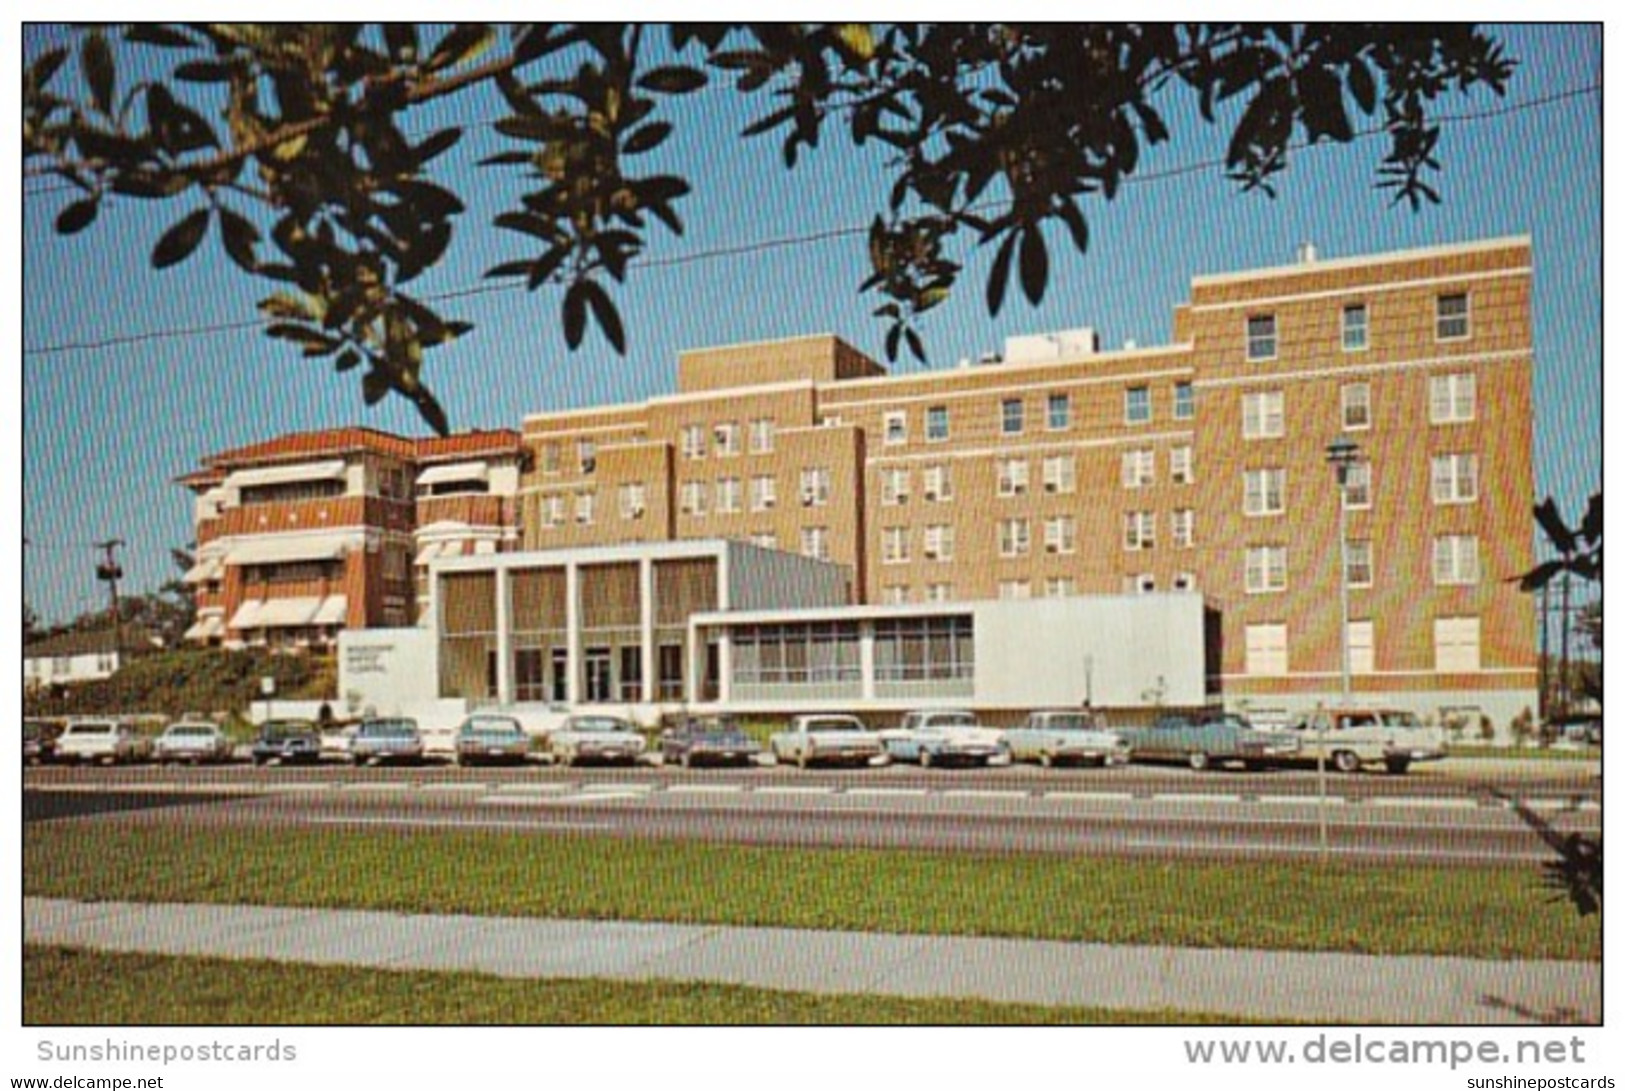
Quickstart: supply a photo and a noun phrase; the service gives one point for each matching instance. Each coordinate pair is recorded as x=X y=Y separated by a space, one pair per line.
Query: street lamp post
x=1341 y=454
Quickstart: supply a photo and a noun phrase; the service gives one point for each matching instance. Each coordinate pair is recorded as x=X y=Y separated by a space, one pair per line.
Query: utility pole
x=110 y=572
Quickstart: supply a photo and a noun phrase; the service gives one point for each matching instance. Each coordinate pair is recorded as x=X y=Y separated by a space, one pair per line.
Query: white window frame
x=1444 y=325
x=1355 y=399
x=1182 y=528
x=1182 y=465
x=1139 y=530
x=1357 y=490
x=633 y=498
x=1015 y=590
x=1356 y=335
x=1362 y=639
x=1062 y=400
x=729 y=495
x=1060 y=534
x=815 y=543
x=1014 y=477
x=1361 y=569
x=894 y=428
x=1263 y=414
x=815 y=486
x=693 y=441
x=761 y=435
x=939 y=542
x=938 y=486
x=1265 y=569
x=1458 y=645
x=764 y=492
x=1137 y=405
x=691 y=498
x=1268 y=653
x=934 y=415
x=1263 y=492
x=1060 y=474
x=1452 y=398
x=586 y=507
x=1455 y=478
x=894 y=545
x=1060 y=587
x=939 y=592
x=1012 y=416
x=1015 y=537
x=1184 y=407
x=1139 y=467
x=1262 y=344
x=894 y=485
x=1456 y=560
x=725 y=438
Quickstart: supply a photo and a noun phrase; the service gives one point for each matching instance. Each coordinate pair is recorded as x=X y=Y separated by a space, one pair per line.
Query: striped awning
x=332 y=611
x=456 y=471
x=282 y=475
x=280 y=548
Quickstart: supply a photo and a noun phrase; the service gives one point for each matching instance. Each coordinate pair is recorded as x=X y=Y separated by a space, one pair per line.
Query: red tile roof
x=336 y=441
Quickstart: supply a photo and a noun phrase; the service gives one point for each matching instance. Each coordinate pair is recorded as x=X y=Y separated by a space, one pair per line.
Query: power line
x=783 y=242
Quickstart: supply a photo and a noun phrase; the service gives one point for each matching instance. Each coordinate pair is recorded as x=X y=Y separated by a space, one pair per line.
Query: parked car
x=945 y=737
x=814 y=739
x=193 y=742
x=287 y=742
x=596 y=738
x=1066 y=737
x=107 y=741
x=39 y=740
x=1211 y=739
x=336 y=741
x=707 y=741
x=395 y=739
x=1351 y=738
x=484 y=738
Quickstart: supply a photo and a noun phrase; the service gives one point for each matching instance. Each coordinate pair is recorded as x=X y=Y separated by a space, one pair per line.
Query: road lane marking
x=466 y=823
x=706 y=789
x=912 y=793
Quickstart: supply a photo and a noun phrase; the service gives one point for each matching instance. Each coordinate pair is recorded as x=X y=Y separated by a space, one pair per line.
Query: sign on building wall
x=386 y=670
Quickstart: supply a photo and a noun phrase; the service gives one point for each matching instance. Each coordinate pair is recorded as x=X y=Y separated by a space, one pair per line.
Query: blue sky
x=106 y=429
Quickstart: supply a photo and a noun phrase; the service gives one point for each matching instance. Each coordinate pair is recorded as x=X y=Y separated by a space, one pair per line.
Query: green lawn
x=72 y=986
x=1486 y=913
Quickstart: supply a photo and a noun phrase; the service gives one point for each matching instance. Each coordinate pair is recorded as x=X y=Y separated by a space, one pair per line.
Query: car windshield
x=599 y=723
x=833 y=725
x=1401 y=719
x=285 y=731
x=390 y=728
x=189 y=730
x=495 y=725
x=1071 y=721
x=953 y=719
x=91 y=729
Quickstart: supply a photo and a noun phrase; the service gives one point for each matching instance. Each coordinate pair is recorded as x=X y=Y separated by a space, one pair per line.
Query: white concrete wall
x=1135 y=651
x=387 y=670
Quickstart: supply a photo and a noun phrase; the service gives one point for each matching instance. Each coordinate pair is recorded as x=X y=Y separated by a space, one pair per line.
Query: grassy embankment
x=1473 y=912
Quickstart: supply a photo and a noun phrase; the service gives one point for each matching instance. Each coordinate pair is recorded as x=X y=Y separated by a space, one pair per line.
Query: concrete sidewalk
x=1269 y=985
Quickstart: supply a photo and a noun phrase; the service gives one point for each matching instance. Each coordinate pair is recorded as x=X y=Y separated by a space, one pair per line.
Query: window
x=1266 y=569
x=1060 y=587
x=1015 y=538
x=939 y=592
x=814 y=486
x=1453 y=317
x=726 y=437
x=692 y=498
x=1455 y=644
x=939 y=484
x=815 y=542
x=1012 y=476
x=1060 y=474
x=1263 y=415
x=1060 y=534
x=1143 y=583
x=550 y=458
x=936 y=423
x=1362 y=648
x=1455 y=559
x=1060 y=412
x=1261 y=337
x=693 y=441
x=1137 y=405
x=1358 y=570
x=1356 y=328
x=728 y=495
x=763 y=492
x=1265 y=492
x=1266 y=650
x=1184 y=401
x=553 y=510
x=1452 y=398
x=761 y=435
x=1179 y=466
x=1011 y=590
x=1356 y=406
x=896 y=428
x=1139 y=530
x=894 y=545
x=924 y=649
x=939 y=542
x=1357 y=490
x=1012 y=416
x=586 y=505
x=1139 y=467
x=1455 y=479
x=1182 y=528
x=894 y=594
x=765 y=539
x=1185 y=581
x=587 y=455
x=894 y=485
